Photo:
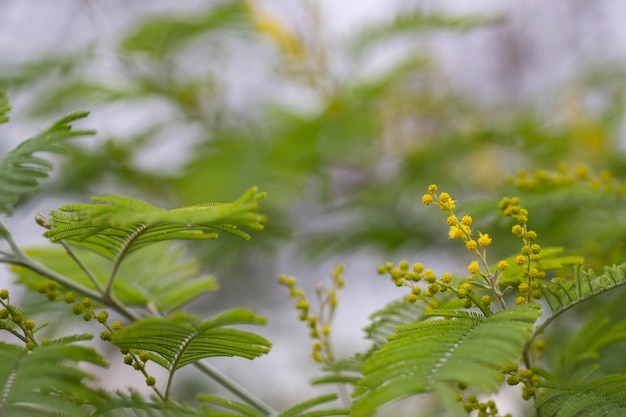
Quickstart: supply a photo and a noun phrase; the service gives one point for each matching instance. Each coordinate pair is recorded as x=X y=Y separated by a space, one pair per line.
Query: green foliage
x=5 y=107
x=353 y=155
x=183 y=339
x=465 y=348
x=594 y=398
x=564 y=293
x=162 y=36
x=180 y=280
x=116 y=226
x=21 y=170
x=299 y=410
x=46 y=378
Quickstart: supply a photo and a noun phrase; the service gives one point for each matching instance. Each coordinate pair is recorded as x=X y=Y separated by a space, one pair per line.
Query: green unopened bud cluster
x=484 y=408
x=15 y=321
x=319 y=323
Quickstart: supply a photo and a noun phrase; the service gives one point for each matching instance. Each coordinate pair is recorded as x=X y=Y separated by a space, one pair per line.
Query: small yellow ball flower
x=418 y=268
x=520 y=300
x=446 y=202
x=416 y=290
x=531 y=235
x=403 y=265
x=535 y=249
x=503 y=265
x=455 y=233
x=452 y=220
x=523 y=288
x=473 y=267
x=446 y=279
x=432 y=188
x=471 y=244
x=429 y=276
x=467 y=220
x=517 y=230
x=427 y=199
x=484 y=240
x=326 y=330
x=411 y=298
x=525 y=250
x=520 y=260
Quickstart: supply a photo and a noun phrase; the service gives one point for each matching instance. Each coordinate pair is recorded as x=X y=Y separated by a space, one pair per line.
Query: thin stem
x=82 y=266
x=67 y=283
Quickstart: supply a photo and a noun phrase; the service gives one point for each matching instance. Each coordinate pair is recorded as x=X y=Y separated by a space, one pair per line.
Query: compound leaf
x=422 y=356
x=45 y=377
x=183 y=338
x=21 y=170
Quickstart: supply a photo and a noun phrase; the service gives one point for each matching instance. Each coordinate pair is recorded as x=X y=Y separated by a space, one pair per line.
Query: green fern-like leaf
x=422 y=356
x=563 y=294
x=239 y=409
x=133 y=404
x=299 y=410
x=115 y=226
x=604 y=397
x=46 y=378
x=183 y=339
x=21 y=170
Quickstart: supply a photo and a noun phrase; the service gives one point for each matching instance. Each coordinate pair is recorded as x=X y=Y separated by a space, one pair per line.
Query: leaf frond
x=599 y=397
x=21 y=170
x=47 y=377
x=183 y=339
x=563 y=294
x=115 y=226
x=421 y=356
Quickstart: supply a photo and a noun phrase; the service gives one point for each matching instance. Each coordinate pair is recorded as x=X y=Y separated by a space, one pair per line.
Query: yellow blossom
x=452 y=220
x=503 y=265
x=446 y=202
x=520 y=260
x=455 y=233
x=470 y=244
x=467 y=220
x=432 y=188
x=473 y=267
x=427 y=199
x=484 y=240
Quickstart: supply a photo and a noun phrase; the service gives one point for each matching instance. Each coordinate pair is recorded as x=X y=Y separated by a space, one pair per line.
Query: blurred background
x=343 y=112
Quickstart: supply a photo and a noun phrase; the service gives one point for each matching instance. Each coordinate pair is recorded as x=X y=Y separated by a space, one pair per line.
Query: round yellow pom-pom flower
x=452 y=220
x=432 y=188
x=427 y=199
x=517 y=230
x=471 y=244
x=467 y=220
x=520 y=260
x=473 y=267
x=446 y=202
x=455 y=233
x=484 y=240
x=503 y=265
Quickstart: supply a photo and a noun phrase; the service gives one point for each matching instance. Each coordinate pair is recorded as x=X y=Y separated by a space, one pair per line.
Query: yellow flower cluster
x=529 y=252
x=569 y=176
x=320 y=323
